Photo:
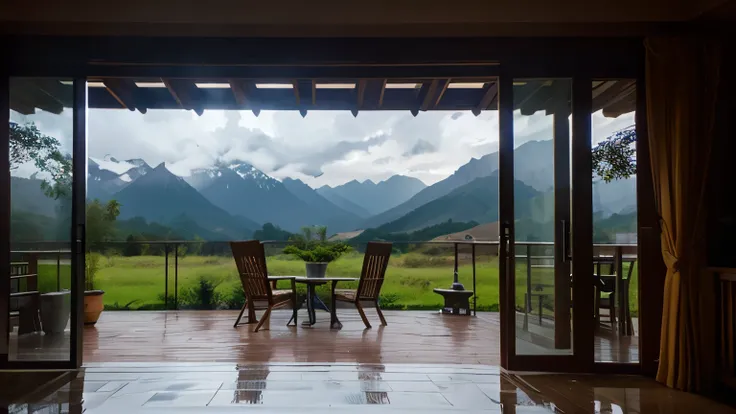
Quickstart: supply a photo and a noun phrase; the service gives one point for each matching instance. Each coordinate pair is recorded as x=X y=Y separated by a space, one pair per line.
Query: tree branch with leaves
x=615 y=157
x=28 y=144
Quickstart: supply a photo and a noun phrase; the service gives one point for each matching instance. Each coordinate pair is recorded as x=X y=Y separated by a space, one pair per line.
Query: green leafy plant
x=91 y=267
x=312 y=246
x=615 y=157
x=27 y=143
x=202 y=295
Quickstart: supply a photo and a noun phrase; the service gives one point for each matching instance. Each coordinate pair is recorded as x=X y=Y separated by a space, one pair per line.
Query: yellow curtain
x=682 y=75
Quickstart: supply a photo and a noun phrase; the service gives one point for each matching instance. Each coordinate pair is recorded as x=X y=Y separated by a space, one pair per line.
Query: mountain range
x=232 y=200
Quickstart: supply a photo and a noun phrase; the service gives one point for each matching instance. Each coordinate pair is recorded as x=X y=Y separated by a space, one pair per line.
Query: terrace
x=153 y=312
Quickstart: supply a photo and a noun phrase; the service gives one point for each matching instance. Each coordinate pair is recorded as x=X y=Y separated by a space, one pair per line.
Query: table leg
x=334 y=322
x=310 y=306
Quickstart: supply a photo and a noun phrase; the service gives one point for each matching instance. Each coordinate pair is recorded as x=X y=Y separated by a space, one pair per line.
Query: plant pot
x=316 y=269
x=93 y=306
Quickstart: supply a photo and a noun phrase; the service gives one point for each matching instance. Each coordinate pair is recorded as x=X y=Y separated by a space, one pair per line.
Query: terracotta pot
x=93 y=306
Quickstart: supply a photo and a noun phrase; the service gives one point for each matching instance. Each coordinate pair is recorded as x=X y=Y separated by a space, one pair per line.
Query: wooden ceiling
x=468 y=94
x=339 y=18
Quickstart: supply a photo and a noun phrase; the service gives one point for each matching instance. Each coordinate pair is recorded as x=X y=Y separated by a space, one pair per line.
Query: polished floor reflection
x=208 y=336
x=316 y=388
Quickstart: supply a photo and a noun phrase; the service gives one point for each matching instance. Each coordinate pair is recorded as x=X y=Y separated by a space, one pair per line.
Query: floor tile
x=460 y=377
x=180 y=399
x=270 y=385
x=172 y=386
x=413 y=386
x=112 y=386
x=466 y=395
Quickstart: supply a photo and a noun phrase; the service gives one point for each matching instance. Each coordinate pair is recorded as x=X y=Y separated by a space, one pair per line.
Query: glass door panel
x=542 y=189
x=40 y=195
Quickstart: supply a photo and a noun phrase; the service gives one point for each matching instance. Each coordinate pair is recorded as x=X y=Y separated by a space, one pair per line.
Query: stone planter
x=316 y=269
x=93 y=306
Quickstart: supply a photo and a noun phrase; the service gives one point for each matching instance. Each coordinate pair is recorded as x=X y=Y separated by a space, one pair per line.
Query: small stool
x=457 y=302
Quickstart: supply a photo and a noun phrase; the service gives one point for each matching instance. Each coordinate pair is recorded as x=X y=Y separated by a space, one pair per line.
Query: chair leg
x=240 y=315
x=362 y=314
x=265 y=317
x=380 y=315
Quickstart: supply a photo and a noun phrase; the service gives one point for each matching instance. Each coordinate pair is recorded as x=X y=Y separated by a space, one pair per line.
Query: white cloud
x=340 y=147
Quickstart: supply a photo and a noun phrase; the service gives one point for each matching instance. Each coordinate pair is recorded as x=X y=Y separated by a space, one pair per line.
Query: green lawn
x=409 y=280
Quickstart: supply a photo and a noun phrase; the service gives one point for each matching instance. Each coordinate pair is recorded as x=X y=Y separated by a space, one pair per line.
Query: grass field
x=139 y=281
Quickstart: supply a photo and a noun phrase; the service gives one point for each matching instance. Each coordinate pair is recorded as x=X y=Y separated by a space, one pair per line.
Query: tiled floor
x=316 y=388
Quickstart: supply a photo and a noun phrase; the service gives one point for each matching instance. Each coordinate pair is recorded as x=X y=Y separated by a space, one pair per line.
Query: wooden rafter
x=616 y=92
x=383 y=91
x=185 y=93
x=360 y=94
x=489 y=96
x=314 y=92
x=27 y=92
x=60 y=93
x=295 y=87
x=434 y=93
x=124 y=91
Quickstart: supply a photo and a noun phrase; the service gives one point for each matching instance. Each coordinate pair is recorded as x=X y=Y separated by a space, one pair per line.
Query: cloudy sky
x=326 y=147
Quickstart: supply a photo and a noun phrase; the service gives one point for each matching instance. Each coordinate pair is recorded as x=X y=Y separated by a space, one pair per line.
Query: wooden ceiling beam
x=124 y=91
x=489 y=96
x=525 y=92
x=622 y=106
x=186 y=94
x=21 y=107
x=616 y=92
x=56 y=90
x=242 y=91
x=29 y=93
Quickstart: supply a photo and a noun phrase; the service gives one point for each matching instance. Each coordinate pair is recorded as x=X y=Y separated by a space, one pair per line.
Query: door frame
x=573 y=57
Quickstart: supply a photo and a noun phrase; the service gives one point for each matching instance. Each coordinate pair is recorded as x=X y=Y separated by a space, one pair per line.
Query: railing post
x=176 y=276
x=58 y=271
x=621 y=301
x=166 y=276
x=475 y=292
x=528 y=283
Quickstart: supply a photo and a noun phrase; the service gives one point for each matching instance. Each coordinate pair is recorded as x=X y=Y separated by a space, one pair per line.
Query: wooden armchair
x=375 y=262
x=250 y=258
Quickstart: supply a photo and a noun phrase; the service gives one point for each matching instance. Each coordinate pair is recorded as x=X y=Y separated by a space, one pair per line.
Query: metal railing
x=534 y=254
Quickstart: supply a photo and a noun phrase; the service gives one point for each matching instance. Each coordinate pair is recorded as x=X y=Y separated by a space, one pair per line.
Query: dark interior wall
x=722 y=183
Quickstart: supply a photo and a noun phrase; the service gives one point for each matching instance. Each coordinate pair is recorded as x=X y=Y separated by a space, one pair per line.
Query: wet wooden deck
x=209 y=336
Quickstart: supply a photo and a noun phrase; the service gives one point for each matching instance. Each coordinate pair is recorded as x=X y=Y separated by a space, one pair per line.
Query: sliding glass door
x=43 y=226
x=547 y=235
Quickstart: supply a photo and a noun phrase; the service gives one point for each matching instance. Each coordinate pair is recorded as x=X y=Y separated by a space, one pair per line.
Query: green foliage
x=202 y=295
x=101 y=221
x=27 y=143
x=312 y=246
x=271 y=232
x=615 y=157
x=318 y=252
x=91 y=267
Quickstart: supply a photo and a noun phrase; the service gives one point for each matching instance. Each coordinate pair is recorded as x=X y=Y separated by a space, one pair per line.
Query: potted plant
x=312 y=247
x=93 y=303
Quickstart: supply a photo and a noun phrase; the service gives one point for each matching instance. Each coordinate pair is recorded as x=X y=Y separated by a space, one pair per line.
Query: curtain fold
x=682 y=75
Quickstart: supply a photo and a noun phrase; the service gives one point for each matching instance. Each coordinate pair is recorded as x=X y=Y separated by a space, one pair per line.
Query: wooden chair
x=607 y=284
x=250 y=258
x=375 y=262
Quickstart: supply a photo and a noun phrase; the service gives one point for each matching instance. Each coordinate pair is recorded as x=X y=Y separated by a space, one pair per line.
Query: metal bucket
x=316 y=269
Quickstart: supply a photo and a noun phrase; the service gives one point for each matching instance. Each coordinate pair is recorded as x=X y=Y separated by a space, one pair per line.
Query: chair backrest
x=375 y=262
x=250 y=258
